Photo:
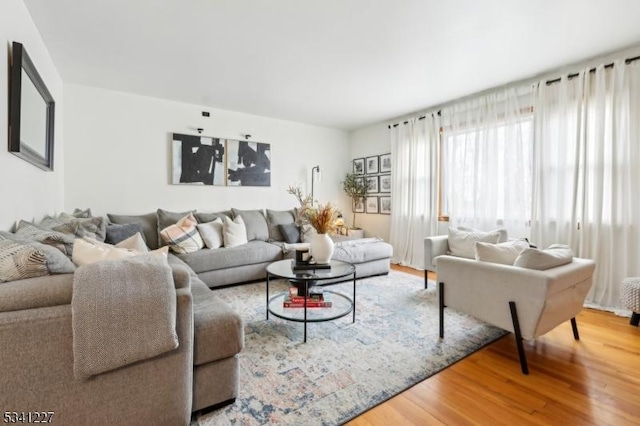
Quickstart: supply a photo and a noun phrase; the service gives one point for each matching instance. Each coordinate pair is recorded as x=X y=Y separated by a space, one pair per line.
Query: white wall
x=26 y=191
x=118 y=156
x=368 y=141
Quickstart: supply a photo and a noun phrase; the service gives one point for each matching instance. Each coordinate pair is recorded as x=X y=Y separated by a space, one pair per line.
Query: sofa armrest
x=434 y=247
x=484 y=290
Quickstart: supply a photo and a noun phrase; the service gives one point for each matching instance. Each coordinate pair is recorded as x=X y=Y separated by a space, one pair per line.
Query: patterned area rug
x=344 y=368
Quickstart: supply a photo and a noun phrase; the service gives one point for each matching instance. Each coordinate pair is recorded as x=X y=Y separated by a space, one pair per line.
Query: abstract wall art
x=248 y=163
x=198 y=160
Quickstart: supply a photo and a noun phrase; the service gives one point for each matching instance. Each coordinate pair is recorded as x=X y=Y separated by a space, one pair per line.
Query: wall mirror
x=31 y=112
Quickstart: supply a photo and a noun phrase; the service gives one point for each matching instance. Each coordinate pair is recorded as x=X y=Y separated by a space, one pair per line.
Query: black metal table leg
x=354 y=296
x=306 y=292
x=267 y=295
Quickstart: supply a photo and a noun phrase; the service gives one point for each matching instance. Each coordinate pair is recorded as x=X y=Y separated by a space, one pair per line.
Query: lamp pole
x=313 y=178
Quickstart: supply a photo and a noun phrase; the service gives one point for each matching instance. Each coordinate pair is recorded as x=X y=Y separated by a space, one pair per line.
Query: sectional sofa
x=37 y=339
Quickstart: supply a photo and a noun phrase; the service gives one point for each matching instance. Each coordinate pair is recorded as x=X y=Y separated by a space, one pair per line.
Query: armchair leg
x=635 y=319
x=441 y=307
x=574 y=327
x=516 y=330
x=426 y=278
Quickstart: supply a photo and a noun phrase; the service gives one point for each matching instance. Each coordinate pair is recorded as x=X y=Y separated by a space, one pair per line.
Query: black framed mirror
x=31 y=112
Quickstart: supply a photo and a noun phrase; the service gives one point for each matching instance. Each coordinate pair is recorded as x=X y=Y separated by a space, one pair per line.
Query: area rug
x=344 y=368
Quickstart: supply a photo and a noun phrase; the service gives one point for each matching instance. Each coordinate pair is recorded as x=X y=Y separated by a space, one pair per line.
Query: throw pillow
x=149 y=223
x=234 y=232
x=86 y=252
x=462 y=243
x=554 y=255
x=255 y=222
x=93 y=227
x=211 y=233
x=19 y=261
x=135 y=243
x=117 y=233
x=503 y=238
x=57 y=262
x=167 y=218
x=210 y=217
x=31 y=231
x=183 y=237
x=290 y=232
x=82 y=213
x=504 y=253
x=276 y=218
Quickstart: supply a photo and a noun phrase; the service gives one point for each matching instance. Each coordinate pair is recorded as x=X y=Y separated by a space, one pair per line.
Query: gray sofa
x=37 y=338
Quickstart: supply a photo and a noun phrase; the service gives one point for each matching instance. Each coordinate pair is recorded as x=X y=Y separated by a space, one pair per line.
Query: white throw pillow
x=211 y=233
x=234 y=233
x=503 y=238
x=554 y=255
x=463 y=243
x=134 y=242
x=85 y=252
x=183 y=237
x=504 y=253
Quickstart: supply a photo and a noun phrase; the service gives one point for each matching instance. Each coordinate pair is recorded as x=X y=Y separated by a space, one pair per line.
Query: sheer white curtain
x=487 y=161
x=587 y=172
x=414 y=176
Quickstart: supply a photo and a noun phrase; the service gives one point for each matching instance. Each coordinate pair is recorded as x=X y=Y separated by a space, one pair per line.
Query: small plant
x=356 y=188
x=305 y=201
x=322 y=218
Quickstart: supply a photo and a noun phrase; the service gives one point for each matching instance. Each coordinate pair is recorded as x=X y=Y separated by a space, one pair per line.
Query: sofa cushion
x=167 y=218
x=554 y=255
x=290 y=232
x=255 y=222
x=275 y=218
x=253 y=252
x=234 y=232
x=211 y=233
x=149 y=223
x=218 y=329
x=504 y=253
x=40 y=292
x=462 y=243
x=183 y=236
x=135 y=243
x=117 y=233
x=362 y=250
x=210 y=217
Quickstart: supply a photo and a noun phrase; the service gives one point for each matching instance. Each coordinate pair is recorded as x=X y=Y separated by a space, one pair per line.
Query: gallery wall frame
x=371 y=205
x=385 y=204
x=372 y=184
x=358 y=166
x=385 y=163
x=372 y=165
x=385 y=183
x=205 y=160
x=358 y=206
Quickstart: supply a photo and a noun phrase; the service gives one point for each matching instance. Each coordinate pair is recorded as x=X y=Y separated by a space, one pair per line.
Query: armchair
x=526 y=302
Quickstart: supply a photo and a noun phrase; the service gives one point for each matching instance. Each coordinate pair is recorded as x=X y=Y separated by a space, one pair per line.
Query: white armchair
x=526 y=302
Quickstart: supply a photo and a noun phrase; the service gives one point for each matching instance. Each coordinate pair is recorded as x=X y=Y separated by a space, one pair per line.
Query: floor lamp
x=315 y=171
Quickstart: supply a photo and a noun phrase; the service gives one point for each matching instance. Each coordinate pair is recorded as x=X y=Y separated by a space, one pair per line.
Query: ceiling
x=335 y=63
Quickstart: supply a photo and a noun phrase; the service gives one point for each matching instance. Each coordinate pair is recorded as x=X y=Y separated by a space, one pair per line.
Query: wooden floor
x=594 y=381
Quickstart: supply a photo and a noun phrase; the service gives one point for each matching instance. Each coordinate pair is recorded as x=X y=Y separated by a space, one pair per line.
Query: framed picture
x=372 y=184
x=385 y=205
x=358 y=166
x=372 y=165
x=358 y=206
x=198 y=160
x=385 y=183
x=248 y=163
x=385 y=163
x=372 y=205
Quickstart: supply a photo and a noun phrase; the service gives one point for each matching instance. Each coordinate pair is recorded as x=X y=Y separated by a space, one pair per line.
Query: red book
x=310 y=304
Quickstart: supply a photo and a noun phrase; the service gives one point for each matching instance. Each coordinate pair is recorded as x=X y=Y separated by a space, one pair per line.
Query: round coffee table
x=341 y=304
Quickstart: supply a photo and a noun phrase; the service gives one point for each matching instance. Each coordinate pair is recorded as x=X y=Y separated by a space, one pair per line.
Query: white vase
x=321 y=246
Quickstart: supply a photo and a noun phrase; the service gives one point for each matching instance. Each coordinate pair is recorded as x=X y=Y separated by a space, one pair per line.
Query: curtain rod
x=548 y=82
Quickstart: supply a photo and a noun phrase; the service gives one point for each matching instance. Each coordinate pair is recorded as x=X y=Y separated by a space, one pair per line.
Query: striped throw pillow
x=183 y=237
